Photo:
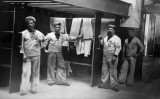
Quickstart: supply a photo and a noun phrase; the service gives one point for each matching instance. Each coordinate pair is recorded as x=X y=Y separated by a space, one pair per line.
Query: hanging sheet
x=76 y=26
x=83 y=46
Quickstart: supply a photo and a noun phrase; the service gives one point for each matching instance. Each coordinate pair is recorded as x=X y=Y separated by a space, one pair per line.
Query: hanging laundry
x=87 y=32
x=78 y=44
x=86 y=29
x=75 y=27
x=75 y=31
x=87 y=47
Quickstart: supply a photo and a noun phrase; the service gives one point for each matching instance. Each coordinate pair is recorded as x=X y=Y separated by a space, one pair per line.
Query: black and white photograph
x=80 y=49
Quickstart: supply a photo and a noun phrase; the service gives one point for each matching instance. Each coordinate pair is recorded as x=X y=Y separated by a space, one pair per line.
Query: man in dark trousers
x=130 y=54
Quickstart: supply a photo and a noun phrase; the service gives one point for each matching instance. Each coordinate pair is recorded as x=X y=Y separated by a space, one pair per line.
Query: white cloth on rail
x=84 y=46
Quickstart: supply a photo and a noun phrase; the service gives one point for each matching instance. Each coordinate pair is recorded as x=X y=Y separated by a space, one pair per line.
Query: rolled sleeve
x=140 y=45
x=46 y=40
x=22 y=46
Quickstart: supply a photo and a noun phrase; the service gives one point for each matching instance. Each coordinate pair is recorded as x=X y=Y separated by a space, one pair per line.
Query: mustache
x=109 y=32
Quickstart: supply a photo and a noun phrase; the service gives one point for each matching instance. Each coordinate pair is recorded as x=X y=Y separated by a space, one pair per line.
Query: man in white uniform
x=56 y=72
x=31 y=49
x=111 y=49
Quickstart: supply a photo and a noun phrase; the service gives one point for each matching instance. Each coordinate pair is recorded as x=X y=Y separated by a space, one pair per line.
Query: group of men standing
x=111 y=48
x=33 y=40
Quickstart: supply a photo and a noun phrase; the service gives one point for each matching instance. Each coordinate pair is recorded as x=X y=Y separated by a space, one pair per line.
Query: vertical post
x=16 y=69
x=96 y=51
x=142 y=23
x=117 y=23
x=138 y=68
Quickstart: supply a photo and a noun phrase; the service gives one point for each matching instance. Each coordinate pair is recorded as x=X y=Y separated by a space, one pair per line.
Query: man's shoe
x=34 y=92
x=51 y=84
x=100 y=86
x=115 y=89
x=66 y=84
x=22 y=94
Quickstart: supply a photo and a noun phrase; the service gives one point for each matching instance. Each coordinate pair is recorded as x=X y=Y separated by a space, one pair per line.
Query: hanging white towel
x=75 y=30
x=87 y=48
x=87 y=32
x=87 y=29
x=75 y=27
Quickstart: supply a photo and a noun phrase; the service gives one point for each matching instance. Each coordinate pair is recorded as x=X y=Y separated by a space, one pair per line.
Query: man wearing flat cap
x=111 y=48
x=31 y=49
x=56 y=72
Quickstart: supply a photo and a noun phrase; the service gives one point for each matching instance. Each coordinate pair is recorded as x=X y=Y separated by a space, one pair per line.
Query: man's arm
x=124 y=49
x=140 y=45
x=41 y=39
x=101 y=40
x=22 y=48
x=71 y=38
x=117 y=47
x=45 y=41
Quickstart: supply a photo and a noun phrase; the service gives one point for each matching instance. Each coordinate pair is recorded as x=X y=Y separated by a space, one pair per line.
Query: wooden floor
x=148 y=88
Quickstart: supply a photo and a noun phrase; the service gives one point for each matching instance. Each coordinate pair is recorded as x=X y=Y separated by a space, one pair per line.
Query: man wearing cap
x=111 y=49
x=56 y=72
x=130 y=54
x=31 y=49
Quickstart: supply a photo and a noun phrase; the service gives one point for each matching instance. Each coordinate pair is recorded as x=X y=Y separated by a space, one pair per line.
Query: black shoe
x=100 y=86
x=115 y=89
x=34 y=92
x=51 y=84
x=22 y=94
x=66 y=84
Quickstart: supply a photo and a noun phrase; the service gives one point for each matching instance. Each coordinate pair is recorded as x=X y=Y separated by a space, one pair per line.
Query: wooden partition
x=7 y=14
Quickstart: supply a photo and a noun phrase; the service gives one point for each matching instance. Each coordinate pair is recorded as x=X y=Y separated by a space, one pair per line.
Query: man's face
x=30 y=25
x=131 y=33
x=57 y=28
x=110 y=31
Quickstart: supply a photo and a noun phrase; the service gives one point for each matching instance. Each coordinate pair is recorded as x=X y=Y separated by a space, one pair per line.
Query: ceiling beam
x=49 y=3
x=109 y=6
x=25 y=1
